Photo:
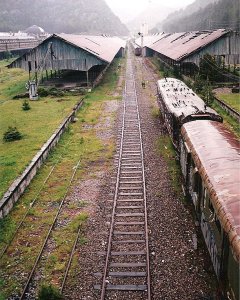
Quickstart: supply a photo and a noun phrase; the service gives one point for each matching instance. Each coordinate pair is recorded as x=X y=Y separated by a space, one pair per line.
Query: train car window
x=198 y=184
x=218 y=224
x=205 y=198
x=210 y=206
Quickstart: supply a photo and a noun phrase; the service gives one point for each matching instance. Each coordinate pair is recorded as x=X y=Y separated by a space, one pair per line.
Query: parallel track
x=126 y=271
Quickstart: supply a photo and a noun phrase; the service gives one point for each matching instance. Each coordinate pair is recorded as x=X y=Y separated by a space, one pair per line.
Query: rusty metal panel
x=181 y=101
x=180 y=46
x=216 y=153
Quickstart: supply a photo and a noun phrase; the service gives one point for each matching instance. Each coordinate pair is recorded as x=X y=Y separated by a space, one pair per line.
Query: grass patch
x=155 y=112
x=228 y=120
x=166 y=149
x=36 y=125
x=79 y=142
x=232 y=100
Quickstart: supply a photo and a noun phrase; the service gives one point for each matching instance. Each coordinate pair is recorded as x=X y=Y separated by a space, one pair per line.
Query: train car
x=179 y=104
x=209 y=157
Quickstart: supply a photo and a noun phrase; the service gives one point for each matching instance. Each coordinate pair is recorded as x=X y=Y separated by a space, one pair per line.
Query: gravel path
x=177 y=270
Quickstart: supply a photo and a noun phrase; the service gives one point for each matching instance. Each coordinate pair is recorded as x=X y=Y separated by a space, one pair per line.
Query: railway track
x=29 y=288
x=126 y=272
x=30 y=284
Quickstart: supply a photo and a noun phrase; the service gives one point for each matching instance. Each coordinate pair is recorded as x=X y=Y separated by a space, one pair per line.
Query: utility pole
x=141 y=35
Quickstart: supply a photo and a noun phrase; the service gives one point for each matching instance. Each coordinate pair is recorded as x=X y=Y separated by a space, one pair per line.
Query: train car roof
x=180 y=99
x=216 y=153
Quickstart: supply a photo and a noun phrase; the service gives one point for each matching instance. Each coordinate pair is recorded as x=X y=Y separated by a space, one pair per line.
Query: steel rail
x=131 y=110
x=70 y=260
x=48 y=235
x=31 y=205
x=26 y=214
x=114 y=202
x=145 y=198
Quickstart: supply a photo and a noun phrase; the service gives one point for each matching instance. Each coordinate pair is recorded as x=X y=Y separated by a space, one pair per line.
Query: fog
x=127 y=10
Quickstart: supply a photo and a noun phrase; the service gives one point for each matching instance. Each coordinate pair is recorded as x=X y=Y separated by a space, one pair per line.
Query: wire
x=218 y=70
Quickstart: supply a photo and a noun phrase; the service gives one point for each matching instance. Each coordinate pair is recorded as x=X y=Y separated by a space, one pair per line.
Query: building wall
x=228 y=46
x=64 y=57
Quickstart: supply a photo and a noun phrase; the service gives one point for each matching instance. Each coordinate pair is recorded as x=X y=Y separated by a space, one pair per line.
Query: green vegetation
x=12 y=81
x=80 y=143
x=166 y=149
x=36 y=127
x=26 y=105
x=204 y=89
x=231 y=99
x=49 y=292
x=12 y=134
x=228 y=120
x=209 y=15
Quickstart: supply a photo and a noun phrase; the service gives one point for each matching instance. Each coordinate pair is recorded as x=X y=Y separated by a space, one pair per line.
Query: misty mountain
x=173 y=21
x=68 y=16
x=154 y=14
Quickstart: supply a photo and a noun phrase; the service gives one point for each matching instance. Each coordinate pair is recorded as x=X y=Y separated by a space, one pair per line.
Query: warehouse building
x=80 y=56
x=185 y=49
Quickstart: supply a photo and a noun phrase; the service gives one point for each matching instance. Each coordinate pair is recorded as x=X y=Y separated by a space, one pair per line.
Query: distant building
x=34 y=29
x=16 y=43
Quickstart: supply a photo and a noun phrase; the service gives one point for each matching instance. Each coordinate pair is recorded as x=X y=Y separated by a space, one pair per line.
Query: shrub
x=7 y=55
x=12 y=134
x=207 y=94
x=49 y=292
x=43 y=92
x=26 y=105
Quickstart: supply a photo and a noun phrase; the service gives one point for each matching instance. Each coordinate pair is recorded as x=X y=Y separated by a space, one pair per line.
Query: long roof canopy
x=73 y=52
x=104 y=47
x=178 y=46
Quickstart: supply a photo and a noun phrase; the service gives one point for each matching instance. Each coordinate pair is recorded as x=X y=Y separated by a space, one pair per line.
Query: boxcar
x=179 y=104
x=209 y=157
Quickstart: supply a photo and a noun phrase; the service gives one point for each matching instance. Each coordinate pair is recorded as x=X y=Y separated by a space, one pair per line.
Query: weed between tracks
x=166 y=149
x=81 y=141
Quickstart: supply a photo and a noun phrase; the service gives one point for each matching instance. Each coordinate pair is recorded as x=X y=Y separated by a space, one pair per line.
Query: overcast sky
x=128 y=9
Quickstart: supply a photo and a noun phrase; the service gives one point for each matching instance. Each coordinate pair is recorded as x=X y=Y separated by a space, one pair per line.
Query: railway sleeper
x=125 y=287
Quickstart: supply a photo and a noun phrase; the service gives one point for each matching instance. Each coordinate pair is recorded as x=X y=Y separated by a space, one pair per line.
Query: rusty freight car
x=210 y=165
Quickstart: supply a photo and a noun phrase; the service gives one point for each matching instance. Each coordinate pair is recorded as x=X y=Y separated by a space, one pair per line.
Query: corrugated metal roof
x=103 y=47
x=149 y=39
x=180 y=45
x=216 y=153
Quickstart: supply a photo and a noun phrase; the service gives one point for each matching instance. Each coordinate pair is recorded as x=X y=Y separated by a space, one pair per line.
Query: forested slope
x=68 y=16
x=217 y=14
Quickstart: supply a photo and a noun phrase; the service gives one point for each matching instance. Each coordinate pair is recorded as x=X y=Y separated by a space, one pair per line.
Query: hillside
x=172 y=22
x=152 y=15
x=68 y=16
x=217 y=14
